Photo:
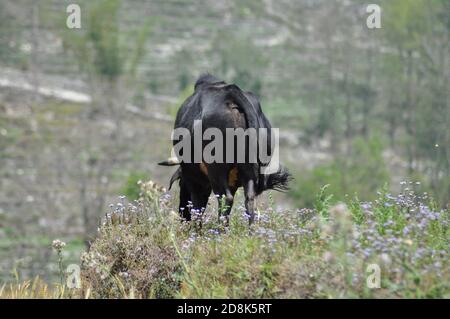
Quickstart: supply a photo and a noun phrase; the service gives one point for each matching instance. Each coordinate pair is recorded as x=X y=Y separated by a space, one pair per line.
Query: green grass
x=142 y=250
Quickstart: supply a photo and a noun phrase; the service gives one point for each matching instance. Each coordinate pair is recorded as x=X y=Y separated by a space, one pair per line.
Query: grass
x=142 y=250
x=31 y=289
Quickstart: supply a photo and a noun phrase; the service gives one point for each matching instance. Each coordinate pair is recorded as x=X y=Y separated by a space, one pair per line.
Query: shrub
x=132 y=255
x=143 y=250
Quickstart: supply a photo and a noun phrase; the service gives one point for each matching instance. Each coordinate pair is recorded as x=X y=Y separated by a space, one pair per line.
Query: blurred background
x=86 y=113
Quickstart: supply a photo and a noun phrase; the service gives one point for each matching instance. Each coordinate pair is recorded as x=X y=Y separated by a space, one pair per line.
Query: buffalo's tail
x=278 y=181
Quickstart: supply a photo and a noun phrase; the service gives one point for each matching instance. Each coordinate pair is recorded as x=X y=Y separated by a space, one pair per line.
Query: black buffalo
x=220 y=105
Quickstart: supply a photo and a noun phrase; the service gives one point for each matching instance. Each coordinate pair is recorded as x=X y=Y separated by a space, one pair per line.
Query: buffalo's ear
x=175 y=176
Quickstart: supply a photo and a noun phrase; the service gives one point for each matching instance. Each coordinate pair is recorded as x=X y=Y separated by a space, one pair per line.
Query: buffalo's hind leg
x=218 y=174
x=225 y=197
x=225 y=200
x=247 y=174
x=185 y=198
x=249 y=192
x=200 y=198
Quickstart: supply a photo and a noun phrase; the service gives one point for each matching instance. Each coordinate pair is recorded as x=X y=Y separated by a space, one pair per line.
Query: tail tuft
x=278 y=181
